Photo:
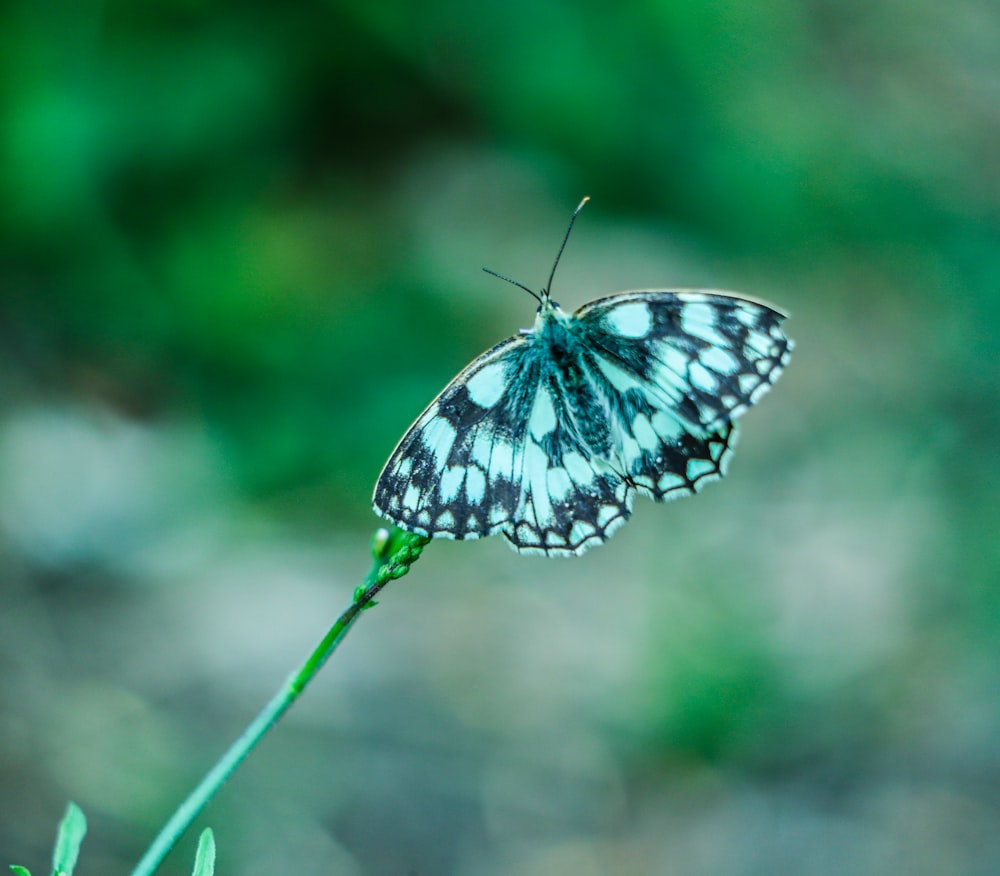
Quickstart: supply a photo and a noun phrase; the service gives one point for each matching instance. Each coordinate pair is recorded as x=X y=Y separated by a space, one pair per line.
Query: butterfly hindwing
x=570 y=499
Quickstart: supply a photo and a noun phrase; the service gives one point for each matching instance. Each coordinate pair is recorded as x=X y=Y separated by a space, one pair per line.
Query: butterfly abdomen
x=571 y=381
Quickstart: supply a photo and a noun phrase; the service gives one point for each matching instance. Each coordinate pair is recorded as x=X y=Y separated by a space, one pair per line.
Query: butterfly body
x=547 y=437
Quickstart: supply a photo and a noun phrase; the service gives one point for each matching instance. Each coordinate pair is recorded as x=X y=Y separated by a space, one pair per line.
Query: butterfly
x=548 y=437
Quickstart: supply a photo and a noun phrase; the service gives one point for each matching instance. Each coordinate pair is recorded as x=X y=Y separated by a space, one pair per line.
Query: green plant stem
x=393 y=554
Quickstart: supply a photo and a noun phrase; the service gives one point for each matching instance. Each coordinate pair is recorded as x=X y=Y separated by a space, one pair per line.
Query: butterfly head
x=549 y=319
x=545 y=302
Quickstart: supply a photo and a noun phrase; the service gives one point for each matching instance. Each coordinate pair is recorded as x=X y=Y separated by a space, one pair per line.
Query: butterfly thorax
x=562 y=353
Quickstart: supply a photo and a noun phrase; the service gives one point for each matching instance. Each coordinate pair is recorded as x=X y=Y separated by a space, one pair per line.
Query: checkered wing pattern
x=547 y=437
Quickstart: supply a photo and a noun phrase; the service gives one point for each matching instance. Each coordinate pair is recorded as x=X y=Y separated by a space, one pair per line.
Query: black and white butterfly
x=548 y=437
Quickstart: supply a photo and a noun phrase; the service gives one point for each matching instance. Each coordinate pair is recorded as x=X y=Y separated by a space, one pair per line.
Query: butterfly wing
x=708 y=355
x=676 y=368
x=456 y=471
x=497 y=452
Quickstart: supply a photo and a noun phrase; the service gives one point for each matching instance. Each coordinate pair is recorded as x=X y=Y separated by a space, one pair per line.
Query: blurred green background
x=239 y=251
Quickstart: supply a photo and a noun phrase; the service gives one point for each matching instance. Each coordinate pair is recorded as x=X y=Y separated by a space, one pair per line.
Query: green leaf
x=72 y=830
x=204 y=859
x=21 y=871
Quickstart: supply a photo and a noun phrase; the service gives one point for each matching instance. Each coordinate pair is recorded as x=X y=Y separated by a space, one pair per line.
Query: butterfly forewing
x=456 y=472
x=547 y=437
x=707 y=356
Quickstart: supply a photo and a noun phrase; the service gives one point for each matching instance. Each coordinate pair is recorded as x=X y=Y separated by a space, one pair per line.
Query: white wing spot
x=628 y=448
x=616 y=376
x=671 y=481
x=720 y=360
x=748 y=383
x=631 y=320
x=445 y=520
x=543 y=415
x=667 y=427
x=702 y=378
x=644 y=433
x=536 y=466
x=696 y=468
x=526 y=534
x=607 y=514
x=502 y=460
x=475 y=485
x=558 y=484
x=675 y=361
x=707 y=413
x=760 y=344
x=412 y=496
x=581 y=531
x=451 y=483
x=487 y=385
x=481 y=451
x=698 y=319
x=438 y=438
x=578 y=468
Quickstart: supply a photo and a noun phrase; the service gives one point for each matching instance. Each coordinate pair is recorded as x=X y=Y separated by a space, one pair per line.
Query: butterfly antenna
x=572 y=219
x=531 y=292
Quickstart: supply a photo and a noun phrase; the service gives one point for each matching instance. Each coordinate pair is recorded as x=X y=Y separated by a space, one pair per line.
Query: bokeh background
x=239 y=251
